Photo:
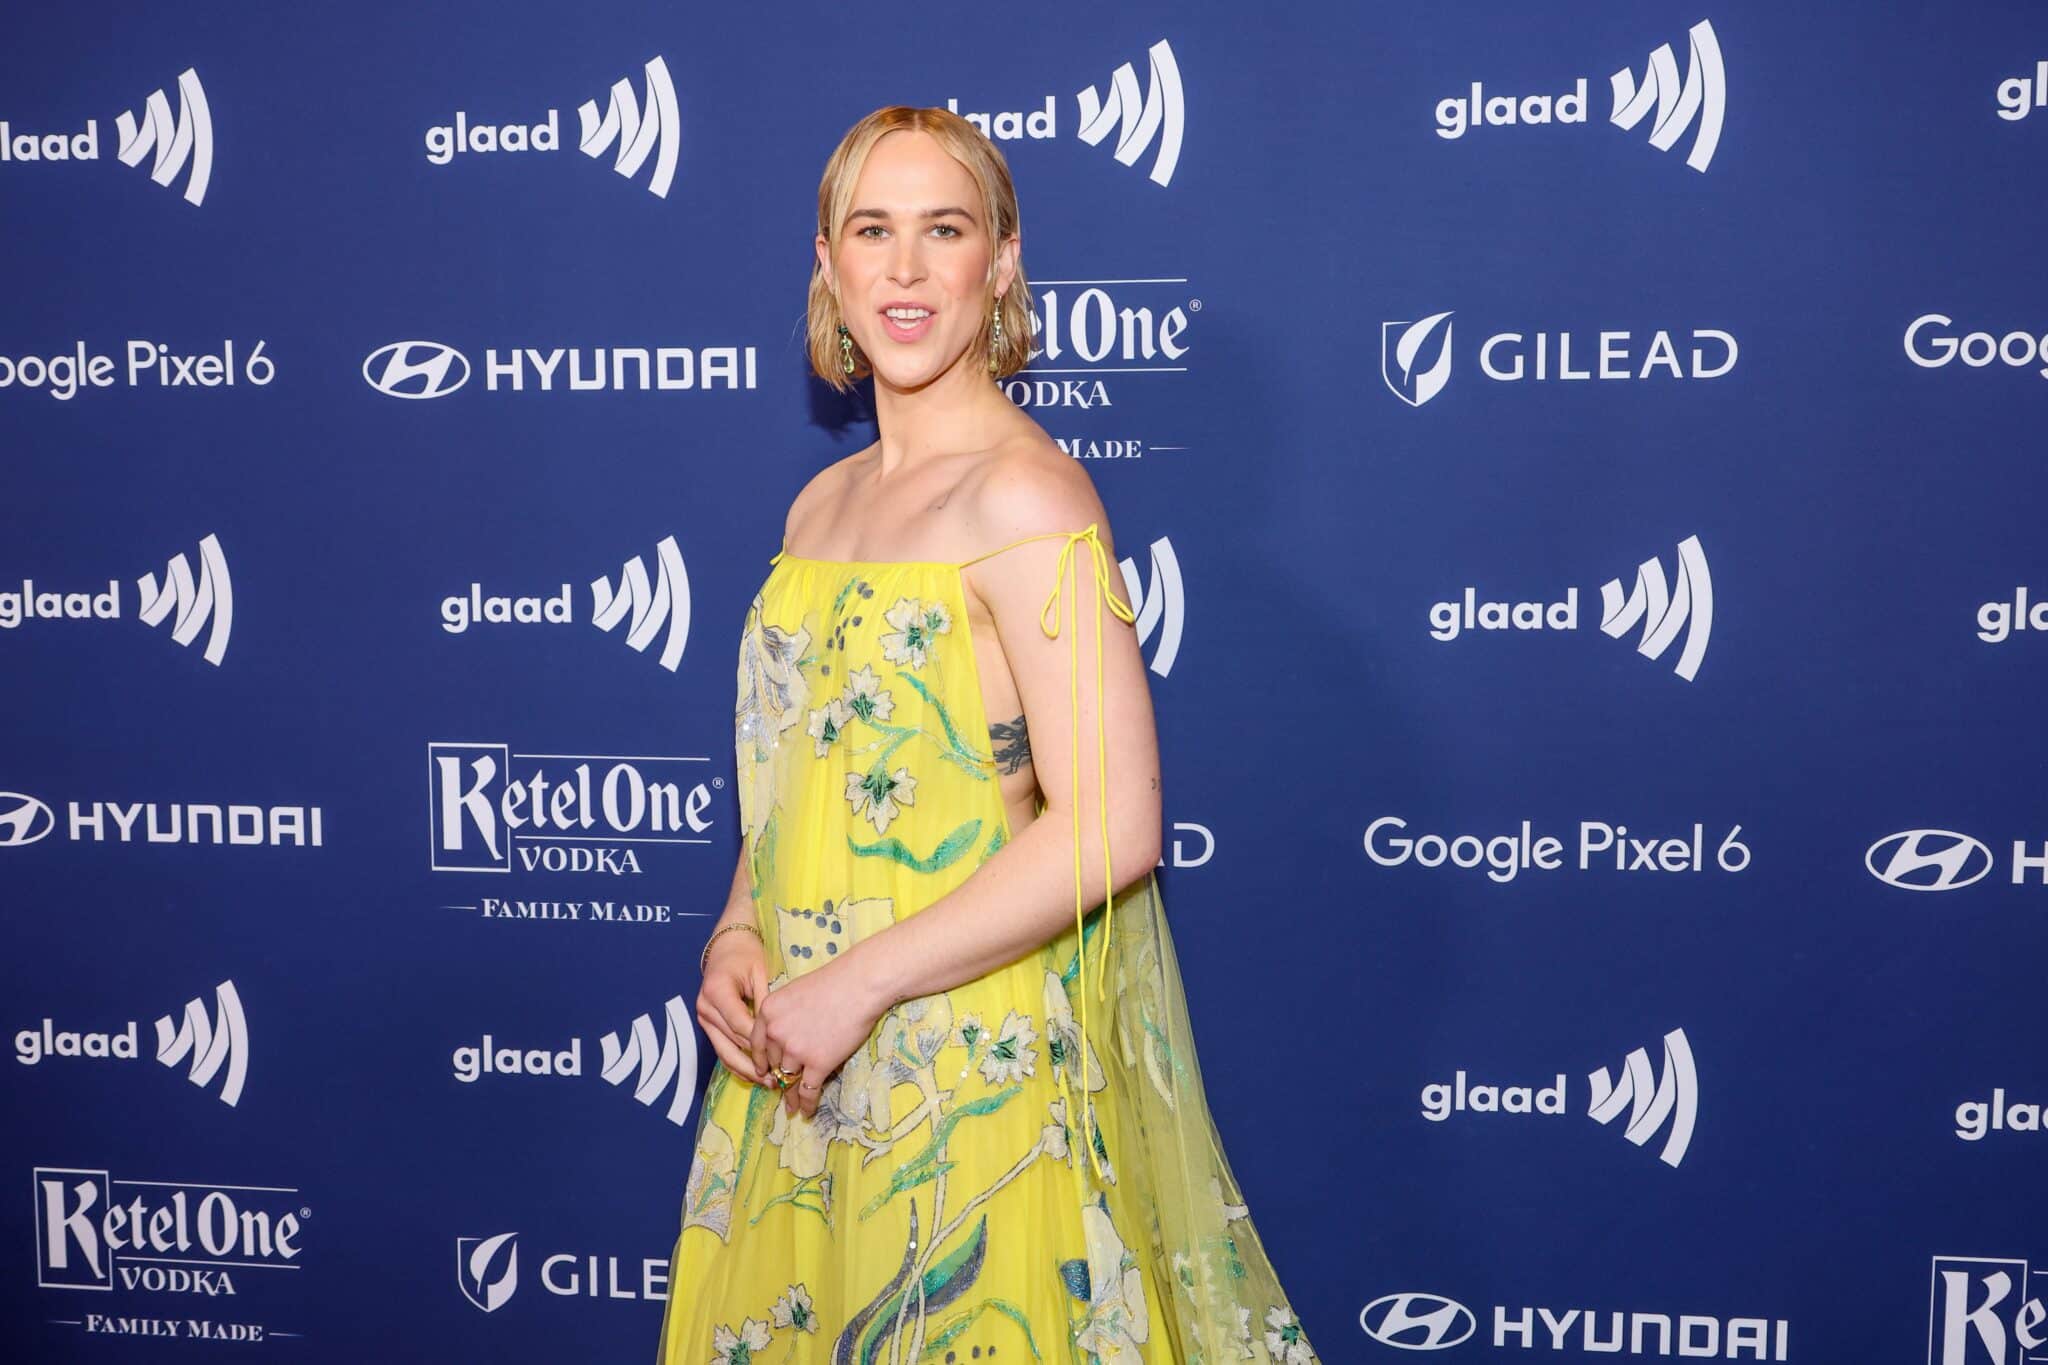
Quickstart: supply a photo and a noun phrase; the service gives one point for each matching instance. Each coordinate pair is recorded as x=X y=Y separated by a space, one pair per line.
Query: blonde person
x=956 y=1114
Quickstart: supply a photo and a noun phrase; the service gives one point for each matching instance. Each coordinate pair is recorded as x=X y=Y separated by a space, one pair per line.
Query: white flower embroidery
x=737 y=1348
x=793 y=1309
x=865 y=696
x=1054 y=1136
x=1117 y=1322
x=843 y=1109
x=1063 y=1036
x=878 y=795
x=1011 y=1057
x=828 y=722
x=1284 y=1339
x=917 y=624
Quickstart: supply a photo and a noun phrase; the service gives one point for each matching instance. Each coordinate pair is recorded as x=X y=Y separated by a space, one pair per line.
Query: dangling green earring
x=995 y=339
x=845 y=349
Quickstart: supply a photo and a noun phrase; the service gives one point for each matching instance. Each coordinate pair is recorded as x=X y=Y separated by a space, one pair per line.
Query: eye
x=871 y=227
x=946 y=227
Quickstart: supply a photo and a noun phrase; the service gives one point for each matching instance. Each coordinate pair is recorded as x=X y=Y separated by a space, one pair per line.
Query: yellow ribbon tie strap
x=1049 y=622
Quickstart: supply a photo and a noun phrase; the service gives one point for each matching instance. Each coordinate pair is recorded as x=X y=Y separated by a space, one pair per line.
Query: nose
x=906 y=262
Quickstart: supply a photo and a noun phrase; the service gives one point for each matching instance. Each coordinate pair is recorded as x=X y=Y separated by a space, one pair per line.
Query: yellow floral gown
x=1020 y=1169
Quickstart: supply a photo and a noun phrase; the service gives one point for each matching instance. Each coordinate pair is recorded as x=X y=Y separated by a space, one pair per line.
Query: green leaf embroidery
x=945 y=855
x=917 y=1170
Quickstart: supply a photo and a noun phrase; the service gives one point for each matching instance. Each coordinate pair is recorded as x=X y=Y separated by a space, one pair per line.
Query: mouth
x=906 y=321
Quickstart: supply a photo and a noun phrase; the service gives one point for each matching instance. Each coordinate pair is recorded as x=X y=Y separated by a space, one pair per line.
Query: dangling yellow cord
x=1049 y=622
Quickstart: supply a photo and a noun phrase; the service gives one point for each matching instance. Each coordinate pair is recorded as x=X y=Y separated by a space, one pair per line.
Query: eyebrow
x=927 y=214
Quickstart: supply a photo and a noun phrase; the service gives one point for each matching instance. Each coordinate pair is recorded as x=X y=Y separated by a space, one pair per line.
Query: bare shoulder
x=1032 y=487
x=822 y=490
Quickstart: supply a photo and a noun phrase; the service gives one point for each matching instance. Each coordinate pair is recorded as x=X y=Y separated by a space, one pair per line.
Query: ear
x=1005 y=267
x=824 y=252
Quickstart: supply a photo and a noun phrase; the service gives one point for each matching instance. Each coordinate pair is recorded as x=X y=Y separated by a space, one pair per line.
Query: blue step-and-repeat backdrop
x=1580 y=465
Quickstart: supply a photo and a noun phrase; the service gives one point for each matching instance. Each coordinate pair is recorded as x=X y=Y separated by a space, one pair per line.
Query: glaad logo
x=217 y=1043
x=658 y=1063
x=164 y=1236
x=2019 y=96
x=1931 y=343
x=434 y=369
x=1997 y=621
x=181 y=146
x=1981 y=1313
x=1975 y=1118
x=1140 y=122
x=1663 y=610
x=1416 y=357
x=664 y=1064
x=191 y=604
x=210 y=1044
x=637 y=127
x=487 y=1273
x=1417 y=1322
x=487 y=1269
x=637 y=133
x=1651 y=1100
x=1698 y=101
x=1401 y=355
x=1430 y=1322
x=1928 y=860
x=1162 y=608
x=555 y=812
x=651 y=605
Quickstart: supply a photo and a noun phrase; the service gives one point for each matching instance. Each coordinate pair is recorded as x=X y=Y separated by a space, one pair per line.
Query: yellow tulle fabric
x=999 y=1174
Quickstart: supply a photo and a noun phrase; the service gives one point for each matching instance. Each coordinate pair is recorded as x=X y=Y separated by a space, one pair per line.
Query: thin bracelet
x=704 y=958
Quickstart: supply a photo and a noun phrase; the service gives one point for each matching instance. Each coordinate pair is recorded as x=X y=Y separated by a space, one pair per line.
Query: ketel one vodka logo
x=658 y=1060
x=1673 y=105
x=196 y=604
x=211 y=1045
x=177 y=146
x=1085 y=329
x=1147 y=119
x=1986 y=1311
x=491 y=808
x=651 y=607
x=164 y=1236
x=1417 y=355
x=1663 y=609
x=634 y=128
x=1650 y=1101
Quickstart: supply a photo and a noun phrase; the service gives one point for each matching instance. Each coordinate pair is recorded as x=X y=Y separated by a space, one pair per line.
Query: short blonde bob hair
x=966 y=145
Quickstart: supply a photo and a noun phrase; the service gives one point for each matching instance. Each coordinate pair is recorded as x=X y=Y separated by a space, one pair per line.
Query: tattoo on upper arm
x=1012 y=744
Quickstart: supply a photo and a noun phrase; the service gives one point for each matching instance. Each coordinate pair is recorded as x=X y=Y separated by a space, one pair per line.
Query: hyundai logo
x=23 y=820
x=416 y=369
x=1417 y=1322
x=1928 y=860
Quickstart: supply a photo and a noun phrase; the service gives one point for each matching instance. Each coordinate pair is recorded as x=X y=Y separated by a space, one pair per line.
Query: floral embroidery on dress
x=1285 y=1341
x=917 y=624
x=866 y=697
x=1011 y=1057
x=827 y=723
x=738 y=1348
x=793 y=1309
x=878 y=794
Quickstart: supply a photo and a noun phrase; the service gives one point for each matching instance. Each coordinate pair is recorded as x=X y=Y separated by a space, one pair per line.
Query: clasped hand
x=808 y=1024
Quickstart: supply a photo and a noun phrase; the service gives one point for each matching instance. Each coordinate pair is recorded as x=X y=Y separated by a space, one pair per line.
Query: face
x=911 y=266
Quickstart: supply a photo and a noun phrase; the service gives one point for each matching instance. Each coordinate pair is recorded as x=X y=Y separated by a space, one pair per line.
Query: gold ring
x=782 y=1077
